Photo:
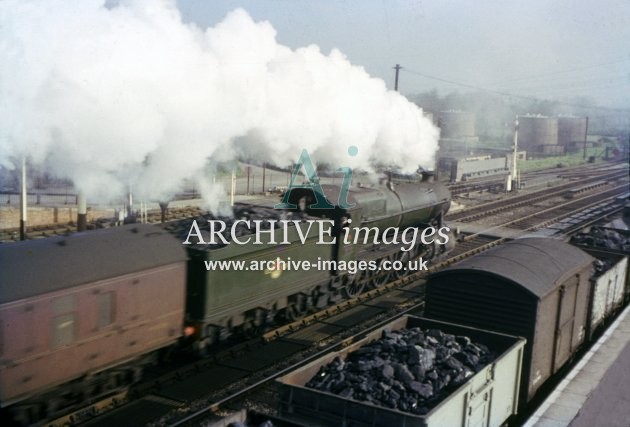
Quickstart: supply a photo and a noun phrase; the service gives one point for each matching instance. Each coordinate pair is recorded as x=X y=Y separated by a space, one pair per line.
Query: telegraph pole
x=513 y=178
x=585 y=137
x=23 y=207
x=397 y=68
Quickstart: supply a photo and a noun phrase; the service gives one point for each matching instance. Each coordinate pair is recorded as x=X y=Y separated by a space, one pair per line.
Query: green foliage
x=573 y=159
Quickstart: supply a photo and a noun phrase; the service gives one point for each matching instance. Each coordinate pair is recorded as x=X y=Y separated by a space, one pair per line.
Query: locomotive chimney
x=81 y=212
x=427 y=176
x=23 y=201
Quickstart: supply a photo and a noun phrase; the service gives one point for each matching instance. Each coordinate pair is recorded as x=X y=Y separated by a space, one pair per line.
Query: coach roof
x=536 y=264
x=35 y=267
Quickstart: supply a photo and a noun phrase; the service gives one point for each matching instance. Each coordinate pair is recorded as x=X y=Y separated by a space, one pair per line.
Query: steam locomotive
x=73 y=307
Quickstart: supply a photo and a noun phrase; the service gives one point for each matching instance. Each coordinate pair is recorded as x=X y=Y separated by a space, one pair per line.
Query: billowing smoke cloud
x=112 y=95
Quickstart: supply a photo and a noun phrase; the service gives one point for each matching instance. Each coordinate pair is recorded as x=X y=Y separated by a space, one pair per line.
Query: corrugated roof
x=537 y=264
x=40 y=266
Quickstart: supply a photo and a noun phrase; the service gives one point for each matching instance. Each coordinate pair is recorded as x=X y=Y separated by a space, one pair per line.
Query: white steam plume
x=112 y=95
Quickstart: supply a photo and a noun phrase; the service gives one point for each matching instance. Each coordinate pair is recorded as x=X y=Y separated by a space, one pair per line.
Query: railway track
x=191 y=393
x=299 y=342
x=176 y=213
x=478 y=243
x=499 y=183
x=490 y=208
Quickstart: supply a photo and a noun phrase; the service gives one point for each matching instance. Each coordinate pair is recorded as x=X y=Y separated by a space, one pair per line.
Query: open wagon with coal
x=608 y=287
x=614 y=236
x=610 y=244
x=412 y=372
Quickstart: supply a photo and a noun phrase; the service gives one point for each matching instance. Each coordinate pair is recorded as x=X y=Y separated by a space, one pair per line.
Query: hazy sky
x=543 y=48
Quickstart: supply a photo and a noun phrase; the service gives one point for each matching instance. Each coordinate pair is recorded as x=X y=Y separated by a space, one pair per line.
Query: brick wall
x=10 y=216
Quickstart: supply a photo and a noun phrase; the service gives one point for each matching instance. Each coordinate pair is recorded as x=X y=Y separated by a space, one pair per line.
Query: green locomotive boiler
x=262 y=264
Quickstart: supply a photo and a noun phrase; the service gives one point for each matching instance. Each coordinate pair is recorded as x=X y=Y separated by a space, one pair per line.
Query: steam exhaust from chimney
x=145 y=132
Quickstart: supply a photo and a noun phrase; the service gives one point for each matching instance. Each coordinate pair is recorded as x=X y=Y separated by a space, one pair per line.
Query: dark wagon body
x=75 y=305
x=533 y=287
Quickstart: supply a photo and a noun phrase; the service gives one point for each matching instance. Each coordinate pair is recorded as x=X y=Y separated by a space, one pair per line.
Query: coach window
x=64 y=320
x=105 y=309
x=64 y=330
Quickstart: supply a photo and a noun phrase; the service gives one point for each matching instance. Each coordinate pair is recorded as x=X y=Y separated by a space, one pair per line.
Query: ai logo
x=313 y=183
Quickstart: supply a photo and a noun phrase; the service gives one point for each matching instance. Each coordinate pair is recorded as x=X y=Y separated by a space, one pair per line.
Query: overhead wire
x=564 y=72
x=507 y=94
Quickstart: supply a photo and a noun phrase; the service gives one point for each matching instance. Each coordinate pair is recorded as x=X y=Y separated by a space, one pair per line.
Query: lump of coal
x=410 y=370
x=602 y=237
x=387 y=372
x=425 y=391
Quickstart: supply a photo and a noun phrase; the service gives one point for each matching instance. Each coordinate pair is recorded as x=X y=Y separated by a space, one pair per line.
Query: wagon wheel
x=335 y=287
x=381 y=277
x=210 y=338
x=321 y=297
x=291 y=313
x=251 y=330
x=403 y=257
x=355 y=284
x=296 y=310
x=337 y=282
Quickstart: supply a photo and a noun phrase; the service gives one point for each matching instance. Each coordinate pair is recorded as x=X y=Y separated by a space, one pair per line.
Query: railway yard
x=333 y=214
x=236 y=380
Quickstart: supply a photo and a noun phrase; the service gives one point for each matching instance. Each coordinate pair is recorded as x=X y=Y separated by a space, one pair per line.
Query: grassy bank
x=566 y=160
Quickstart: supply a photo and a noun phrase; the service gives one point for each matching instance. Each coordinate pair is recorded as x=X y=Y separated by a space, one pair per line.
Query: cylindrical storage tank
x=534 y=131
x=571 y=130
x=456 y=124
x=556 y=150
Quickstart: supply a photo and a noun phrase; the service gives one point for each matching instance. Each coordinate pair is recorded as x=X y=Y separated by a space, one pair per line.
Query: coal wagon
x=487 y=398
